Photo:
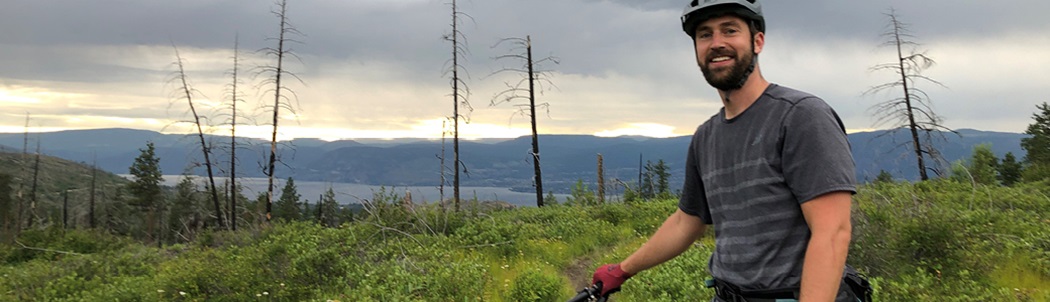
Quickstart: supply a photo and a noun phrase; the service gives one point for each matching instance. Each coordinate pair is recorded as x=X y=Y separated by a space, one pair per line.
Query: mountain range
x=489 y=162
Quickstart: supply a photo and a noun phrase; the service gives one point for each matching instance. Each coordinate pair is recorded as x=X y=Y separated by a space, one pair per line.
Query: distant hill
x=55 y=176
x=891 y=150
x=491 y=162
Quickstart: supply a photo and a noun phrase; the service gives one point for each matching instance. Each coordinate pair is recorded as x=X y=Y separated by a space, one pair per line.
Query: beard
x=731 y=78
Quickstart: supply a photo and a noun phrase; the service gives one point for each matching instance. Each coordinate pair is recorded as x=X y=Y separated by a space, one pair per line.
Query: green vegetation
x=939 y=240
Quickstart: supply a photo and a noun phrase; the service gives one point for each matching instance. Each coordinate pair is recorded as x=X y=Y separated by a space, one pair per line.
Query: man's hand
x=611 y=277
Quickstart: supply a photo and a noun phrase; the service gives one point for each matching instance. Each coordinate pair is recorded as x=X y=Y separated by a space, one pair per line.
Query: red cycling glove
x=611 y=277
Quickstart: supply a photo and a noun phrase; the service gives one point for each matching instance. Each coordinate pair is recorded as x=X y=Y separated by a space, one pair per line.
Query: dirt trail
x=580 y=272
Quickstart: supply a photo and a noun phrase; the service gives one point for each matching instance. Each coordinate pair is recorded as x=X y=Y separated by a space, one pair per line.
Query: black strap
x=858 y=284
x=732 y=293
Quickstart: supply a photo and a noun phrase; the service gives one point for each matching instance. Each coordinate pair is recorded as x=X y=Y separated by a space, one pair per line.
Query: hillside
x=55 y=176
x=489 y=163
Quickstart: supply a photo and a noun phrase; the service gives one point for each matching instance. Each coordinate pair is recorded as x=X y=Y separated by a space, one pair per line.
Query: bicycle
x=590 y=293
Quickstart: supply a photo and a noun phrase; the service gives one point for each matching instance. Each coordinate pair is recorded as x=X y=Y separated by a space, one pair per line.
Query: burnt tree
x=460 y=92
x=911 y=110
x=275 y=74
x=522 y=94
x=186 y=92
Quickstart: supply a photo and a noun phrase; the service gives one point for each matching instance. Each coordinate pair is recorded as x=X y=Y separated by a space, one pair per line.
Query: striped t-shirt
x=749 y=175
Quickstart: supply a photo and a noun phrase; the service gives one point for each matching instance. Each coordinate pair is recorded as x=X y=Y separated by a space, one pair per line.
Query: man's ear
x=760 y=42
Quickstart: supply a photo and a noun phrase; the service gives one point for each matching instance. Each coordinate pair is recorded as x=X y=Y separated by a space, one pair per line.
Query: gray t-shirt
x=749 y=175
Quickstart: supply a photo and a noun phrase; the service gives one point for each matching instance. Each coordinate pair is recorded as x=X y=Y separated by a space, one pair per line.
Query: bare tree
x=601 y=179
x=235 y=97
x=441 y=157
x=23 y=165
x=912 y=110
x=186 y=92
x=65 y=208
x=36 y=181
x=525 y=90
x=274 y=76
x=91 y=201
x=460 y=91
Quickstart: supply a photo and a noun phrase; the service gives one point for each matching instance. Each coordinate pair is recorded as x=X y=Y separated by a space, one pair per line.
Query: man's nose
x=718 y=41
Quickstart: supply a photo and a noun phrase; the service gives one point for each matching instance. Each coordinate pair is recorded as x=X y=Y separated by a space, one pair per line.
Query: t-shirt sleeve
x=816 y=153
x=693 y=200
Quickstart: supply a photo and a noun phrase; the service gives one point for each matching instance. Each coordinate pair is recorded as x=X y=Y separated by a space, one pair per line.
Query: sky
x=377 y=68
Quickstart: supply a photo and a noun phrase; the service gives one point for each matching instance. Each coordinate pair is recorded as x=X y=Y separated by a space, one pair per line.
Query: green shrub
x=533 y=285
x=931 y=241
x=58 y=241
x=681 y=279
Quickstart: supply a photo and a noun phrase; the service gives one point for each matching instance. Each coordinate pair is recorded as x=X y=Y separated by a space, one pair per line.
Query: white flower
x=266 y=293
x=258 y=295
x=182 y=293
x=160 y=291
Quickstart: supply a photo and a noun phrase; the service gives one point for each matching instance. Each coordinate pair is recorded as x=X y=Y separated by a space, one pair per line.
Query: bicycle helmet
x=699 y=11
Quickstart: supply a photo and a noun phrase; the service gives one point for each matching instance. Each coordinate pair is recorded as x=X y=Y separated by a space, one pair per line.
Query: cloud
x=377 y=65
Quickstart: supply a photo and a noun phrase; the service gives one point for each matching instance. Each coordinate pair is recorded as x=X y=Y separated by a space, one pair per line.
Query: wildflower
x=182 y=293
x=266 y=293
x=160 y=291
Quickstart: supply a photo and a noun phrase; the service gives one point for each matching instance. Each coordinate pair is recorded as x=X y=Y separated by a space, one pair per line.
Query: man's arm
x=675 y=236
x=829 y=224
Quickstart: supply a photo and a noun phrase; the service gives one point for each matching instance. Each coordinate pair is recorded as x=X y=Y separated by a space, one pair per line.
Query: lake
x=353 y=193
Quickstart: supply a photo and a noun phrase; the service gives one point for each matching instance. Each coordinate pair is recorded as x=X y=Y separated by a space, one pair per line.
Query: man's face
x=724 y=50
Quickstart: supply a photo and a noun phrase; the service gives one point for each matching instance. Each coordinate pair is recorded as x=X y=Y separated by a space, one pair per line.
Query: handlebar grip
x=581 y=297
x=588 y=293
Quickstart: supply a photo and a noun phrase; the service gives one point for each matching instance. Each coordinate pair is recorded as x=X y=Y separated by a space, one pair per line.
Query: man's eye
x=704 y=35
x=729 y=31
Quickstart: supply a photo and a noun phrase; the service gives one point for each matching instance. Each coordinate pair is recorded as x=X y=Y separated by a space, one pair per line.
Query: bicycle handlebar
x=590 y=293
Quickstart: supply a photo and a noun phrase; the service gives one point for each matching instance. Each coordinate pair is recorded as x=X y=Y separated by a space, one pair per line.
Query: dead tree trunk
x=912 y=110
x=65 y=208
x=36 y=181
x=535 y=135
x=460 y=92
x=280 y=100
x=441 y=186
x=516 y=92
x=912 y=126
x=188 y=94
x=233 y=138
x=276 y=112
x=22 y=177
x=91 y=200
x=455 y=104
x=601 y=179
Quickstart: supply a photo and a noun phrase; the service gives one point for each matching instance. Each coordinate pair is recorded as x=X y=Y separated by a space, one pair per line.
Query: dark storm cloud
x=845 y=19
x=592 y=37
x=630 y=49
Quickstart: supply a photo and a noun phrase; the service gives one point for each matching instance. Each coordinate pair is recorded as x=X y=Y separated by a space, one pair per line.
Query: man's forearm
x=822 y=270
x=675 y=236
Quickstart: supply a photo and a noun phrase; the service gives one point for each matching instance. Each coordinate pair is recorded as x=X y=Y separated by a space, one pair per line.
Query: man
x=771 y=172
